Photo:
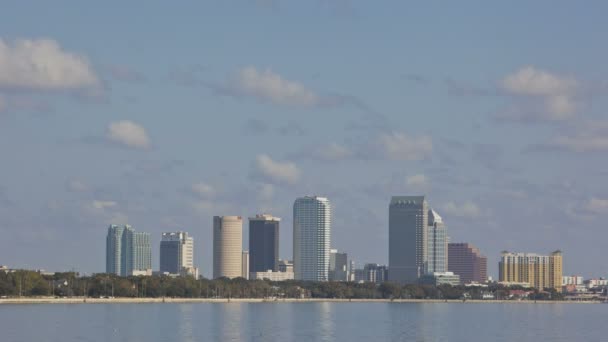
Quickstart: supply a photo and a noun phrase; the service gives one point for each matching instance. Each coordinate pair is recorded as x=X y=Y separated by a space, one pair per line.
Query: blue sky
x=163 y=115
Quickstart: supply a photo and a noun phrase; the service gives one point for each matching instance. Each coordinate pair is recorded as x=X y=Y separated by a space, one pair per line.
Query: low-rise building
x=272 y=276
x=440 y=278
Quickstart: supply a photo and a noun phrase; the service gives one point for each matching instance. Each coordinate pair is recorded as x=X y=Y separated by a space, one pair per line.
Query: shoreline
x=81 y=300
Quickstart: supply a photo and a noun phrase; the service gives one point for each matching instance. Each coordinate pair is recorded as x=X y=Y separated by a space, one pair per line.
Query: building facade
x=177 y=254
x=227 y=246
x=263 y=243
x=338 y=266
x=440 y=278
x=467 y=261
x=540 y=271
x=128 y=252
x=437 y=244
x=311 y=238
x=113 y=249
x=285 y=266
x=245 y=265
x=408 y=220
x=272 y=276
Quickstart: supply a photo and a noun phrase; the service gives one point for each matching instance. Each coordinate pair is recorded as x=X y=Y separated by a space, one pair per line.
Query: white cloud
x=267 y=85
x=332 y=152
x=203 y=190
x=103 y=204
x=467 y=210
x=417 y=181
x=532 y=81
x=41 y=64
x=128 y=133
x=591 y=136
x=597 y=205
x=275 y=172
x=549 y=97
x=399 y=146
x=75 y=185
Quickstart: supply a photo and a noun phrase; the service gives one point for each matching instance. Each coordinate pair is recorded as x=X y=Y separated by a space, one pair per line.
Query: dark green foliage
x=30 y=283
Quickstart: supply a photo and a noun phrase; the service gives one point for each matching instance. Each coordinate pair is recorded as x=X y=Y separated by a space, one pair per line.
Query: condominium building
x=177 y=254
x=227 y=246
x=113 y=249
x=467 y=261
x=407 y=235
x=437 y=244
x=136 y=253
x=263 y=243
x=540 y=271
x=311 y=238
x=128 y=252
x=338 y=266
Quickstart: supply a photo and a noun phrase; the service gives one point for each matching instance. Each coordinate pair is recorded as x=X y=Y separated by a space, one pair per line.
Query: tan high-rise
x=227 y=246
x=540 y=271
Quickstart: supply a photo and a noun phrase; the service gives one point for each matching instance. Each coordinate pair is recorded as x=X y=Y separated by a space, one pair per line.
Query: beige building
x=245 y=265
x=227 y=246
x=540 y=271
x=272 y=276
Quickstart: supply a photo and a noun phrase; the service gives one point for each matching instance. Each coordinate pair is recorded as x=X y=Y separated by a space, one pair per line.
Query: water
x=303 y=322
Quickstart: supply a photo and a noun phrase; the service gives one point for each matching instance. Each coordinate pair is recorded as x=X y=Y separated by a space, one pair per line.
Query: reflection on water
x=302 y=322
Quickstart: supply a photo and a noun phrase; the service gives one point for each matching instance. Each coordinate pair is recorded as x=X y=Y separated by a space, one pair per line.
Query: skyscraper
x=407 y=234
x=311 y=238
x=437 y=244
x=227 y=246
x=338 y=266
x=113 y=249
x=263 y=243
x=136 y=255
x=177 y=254
x=467 y=261
x=539 y=271
x=128 y=252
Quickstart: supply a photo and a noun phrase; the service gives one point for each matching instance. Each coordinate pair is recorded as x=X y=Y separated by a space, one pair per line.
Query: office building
x=263 y=243
x=440 y=278
x=572 y=280
x=177 y=254
x=371 y=273
x=467 y=261
x=272 y=276
x=136 y=255
x=128 y=252
x=540 y=271
x=245 y=265
x=311 y=238
x=338 y=266
x=227 y=246
x=113 y=249
x=437 y=244
x=408 y=221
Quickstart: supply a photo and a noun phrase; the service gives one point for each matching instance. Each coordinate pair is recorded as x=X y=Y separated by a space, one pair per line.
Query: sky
x=161 y=115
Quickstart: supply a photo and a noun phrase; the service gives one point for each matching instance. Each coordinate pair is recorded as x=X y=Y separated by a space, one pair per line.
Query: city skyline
x=496 y=112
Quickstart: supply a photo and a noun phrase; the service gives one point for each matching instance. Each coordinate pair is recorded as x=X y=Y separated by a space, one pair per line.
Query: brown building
x=466 y=260
x=540 y=271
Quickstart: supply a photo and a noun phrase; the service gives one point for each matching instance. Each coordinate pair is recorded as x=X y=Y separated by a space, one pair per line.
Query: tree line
x=30 y=283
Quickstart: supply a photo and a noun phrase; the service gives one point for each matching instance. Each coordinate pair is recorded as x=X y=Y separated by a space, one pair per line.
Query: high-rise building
x=540 y=271
x=338 y=266
x=407 y=234
x=227 y=246
x=128 y=252
x=263 y=243
x=113 y=249
x=467 y=261
x=311 y=238
x=177 y=254
x=437 y=244
x=136 y=253
x=245 y=265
